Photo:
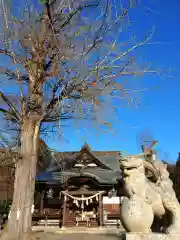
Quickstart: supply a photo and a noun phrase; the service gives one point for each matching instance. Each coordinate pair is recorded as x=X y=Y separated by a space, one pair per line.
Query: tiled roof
x=107 y=170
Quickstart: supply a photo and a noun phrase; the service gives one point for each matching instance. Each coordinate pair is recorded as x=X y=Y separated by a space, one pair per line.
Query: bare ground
x=65 y=236
x=74 y=236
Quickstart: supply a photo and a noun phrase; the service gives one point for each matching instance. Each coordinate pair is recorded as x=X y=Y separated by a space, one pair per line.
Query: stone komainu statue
x=147 y=197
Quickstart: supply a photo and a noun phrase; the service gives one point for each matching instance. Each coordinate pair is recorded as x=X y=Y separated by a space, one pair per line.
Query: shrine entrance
x=82 y=208
x=78 y=191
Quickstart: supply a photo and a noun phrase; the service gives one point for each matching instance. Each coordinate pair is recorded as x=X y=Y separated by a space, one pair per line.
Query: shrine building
x=79 y=189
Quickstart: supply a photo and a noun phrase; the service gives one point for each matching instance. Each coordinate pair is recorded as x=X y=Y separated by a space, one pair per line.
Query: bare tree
x=147 y=142
x=61 y=65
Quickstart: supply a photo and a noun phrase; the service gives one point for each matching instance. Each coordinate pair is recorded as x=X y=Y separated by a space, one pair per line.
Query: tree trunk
x=20 y=217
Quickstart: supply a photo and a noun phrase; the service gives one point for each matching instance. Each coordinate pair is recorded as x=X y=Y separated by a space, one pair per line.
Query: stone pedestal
x=150 y=236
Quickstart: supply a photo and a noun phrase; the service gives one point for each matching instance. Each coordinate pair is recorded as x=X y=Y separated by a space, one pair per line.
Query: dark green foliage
x=178 y=160
x=47 y=1
x=5 y=206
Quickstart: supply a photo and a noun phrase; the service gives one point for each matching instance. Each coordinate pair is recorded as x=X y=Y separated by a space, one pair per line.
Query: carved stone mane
x=146 y=197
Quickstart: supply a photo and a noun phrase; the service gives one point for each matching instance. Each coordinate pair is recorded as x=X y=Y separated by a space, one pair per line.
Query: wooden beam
x=101 y=222
x=42 y=202
x=64 y=211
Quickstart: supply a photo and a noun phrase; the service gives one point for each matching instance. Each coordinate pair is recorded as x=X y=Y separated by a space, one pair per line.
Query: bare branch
x=10 y=54
x=79 y=9
x=11 y=106
x=8 y=115
x=13 y=75
x=136 y=46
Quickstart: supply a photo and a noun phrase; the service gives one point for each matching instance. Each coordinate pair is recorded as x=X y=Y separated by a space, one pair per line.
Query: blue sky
x=159 y=109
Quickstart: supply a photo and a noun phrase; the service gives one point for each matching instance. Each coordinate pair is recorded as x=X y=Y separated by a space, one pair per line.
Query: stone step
x=48 y=224
x=49 y=220
x=52 y=222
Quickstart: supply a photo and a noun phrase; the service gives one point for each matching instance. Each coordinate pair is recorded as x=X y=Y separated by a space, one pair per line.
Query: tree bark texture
x=20 y=216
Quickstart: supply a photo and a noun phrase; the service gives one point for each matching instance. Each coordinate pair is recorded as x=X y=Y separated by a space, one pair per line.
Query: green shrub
x=5 y=206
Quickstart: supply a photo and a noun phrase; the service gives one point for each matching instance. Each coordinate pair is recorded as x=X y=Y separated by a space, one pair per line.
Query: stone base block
x=150 y=236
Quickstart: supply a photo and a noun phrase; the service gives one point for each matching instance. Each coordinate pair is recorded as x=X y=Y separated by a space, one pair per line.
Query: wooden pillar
x=64 y=211
x=101 y=222
x=42 y=202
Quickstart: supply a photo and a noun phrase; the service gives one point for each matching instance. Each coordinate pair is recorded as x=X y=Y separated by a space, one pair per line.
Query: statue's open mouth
x=124 y=175
x=128 y=168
